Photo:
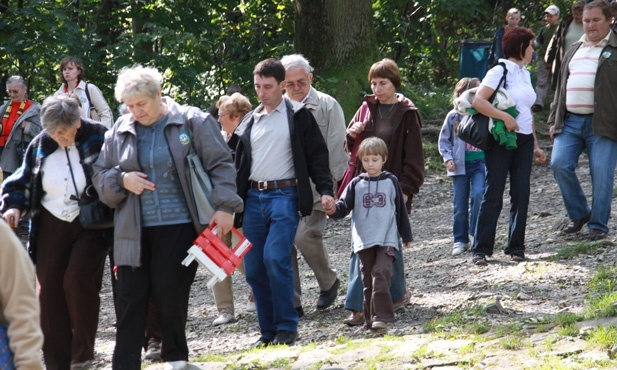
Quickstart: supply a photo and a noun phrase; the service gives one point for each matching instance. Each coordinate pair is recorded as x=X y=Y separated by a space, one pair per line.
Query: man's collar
x=602 y=42
x=261 y=111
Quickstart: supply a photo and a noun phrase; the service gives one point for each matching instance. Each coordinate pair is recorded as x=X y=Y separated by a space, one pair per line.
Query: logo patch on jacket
x=374 y=200
x=184 y=138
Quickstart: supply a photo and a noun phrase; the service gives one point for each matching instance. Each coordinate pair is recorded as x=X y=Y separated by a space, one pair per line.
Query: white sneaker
x=471 y=238
x=176 y=365
x=250 y=305
x=458 y=248
x=223 y=318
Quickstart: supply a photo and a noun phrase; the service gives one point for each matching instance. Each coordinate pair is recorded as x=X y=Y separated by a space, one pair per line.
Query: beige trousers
x=223 y=290
x=309 y=241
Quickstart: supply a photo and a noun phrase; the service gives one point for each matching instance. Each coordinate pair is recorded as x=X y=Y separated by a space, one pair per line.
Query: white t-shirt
x=518 y=82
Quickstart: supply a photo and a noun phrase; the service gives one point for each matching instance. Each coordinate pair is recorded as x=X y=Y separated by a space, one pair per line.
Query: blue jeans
x=501 y=162
x=270 y=223
x=577 y=135
x=355 y=297
x=468 y=188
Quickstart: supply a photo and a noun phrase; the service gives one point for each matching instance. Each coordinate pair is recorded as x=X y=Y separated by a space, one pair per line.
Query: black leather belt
x=274 y=184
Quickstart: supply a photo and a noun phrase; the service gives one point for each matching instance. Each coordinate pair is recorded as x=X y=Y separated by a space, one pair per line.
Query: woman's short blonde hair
x=234 y=105
x=138 y=80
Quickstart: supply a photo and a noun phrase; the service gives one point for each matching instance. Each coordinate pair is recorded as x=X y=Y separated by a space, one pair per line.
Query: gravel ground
x=439 y=282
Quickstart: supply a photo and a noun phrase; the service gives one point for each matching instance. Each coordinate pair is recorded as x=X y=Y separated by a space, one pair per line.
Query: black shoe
x=518 y=257
x=261 y=343
x=285 y=337
x=327 y=297
x=576 y=226
x=300 y=312
x=479 y=260
x=595 y=234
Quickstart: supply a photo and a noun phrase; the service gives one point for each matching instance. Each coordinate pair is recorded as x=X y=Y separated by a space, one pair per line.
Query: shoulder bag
x=6 y=355
x=94 y=114
x=93 y=214
x=473 y=129
x=350 y=172
x=201 y=184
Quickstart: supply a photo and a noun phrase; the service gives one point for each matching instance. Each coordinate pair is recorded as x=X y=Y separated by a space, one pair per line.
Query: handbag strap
x=66 y=150
x=353 y=159
x=503 y=80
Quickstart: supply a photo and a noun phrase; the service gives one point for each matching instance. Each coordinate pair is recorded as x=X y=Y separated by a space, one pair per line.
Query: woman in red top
x=20 y=123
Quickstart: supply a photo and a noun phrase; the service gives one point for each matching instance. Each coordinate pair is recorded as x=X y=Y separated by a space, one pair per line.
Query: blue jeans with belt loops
x=270 y=223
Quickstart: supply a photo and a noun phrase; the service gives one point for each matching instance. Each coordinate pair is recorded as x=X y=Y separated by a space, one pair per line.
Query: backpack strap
x=88 y=95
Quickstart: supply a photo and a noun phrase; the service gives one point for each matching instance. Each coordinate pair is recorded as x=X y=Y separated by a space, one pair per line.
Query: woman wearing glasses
x=20 y=123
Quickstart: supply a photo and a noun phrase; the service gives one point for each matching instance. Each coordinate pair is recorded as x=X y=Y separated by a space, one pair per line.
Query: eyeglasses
x=292 y=85
x=13 y=91
x=221 y=115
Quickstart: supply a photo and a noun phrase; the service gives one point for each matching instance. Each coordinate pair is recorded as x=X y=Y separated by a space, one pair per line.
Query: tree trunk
x=337 y=37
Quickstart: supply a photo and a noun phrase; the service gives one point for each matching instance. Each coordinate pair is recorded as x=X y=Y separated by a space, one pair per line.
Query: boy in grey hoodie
x=378 y=223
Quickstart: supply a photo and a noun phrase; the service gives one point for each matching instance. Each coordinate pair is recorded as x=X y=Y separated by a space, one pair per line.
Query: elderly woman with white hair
x=69 y=258
x=143 y=174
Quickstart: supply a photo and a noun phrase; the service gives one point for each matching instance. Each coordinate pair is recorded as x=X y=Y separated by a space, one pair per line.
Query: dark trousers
x=152 y=326
x=499 y=163
x=162 y=278
x=69 y=270
x=376 y=269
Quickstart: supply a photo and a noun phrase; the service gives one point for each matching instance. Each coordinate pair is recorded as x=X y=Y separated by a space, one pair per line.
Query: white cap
x=552 y=10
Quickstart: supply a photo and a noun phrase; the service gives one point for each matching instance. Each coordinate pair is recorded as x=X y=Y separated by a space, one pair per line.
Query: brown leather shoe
x=403 y=301
x=356 y=318
x=576 y=226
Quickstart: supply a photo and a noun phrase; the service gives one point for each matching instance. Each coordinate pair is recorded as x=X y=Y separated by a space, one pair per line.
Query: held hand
x=551 y=132
x=450 y=165
x=12 y=217
x=224 y=221
x=407 y=245
x=136 y=182
x=540 y=155
x=327 y=202
x=405 y=198
x=511 y=124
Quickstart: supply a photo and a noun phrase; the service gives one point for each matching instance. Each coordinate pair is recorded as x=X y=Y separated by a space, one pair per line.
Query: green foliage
x=204 y=47
x=602 y=293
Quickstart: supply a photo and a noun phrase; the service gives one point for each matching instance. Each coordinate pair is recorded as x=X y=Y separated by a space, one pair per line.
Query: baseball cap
x=552 y=10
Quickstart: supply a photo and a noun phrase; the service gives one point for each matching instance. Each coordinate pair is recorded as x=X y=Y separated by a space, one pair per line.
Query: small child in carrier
x=465 y=164
x=379 y=221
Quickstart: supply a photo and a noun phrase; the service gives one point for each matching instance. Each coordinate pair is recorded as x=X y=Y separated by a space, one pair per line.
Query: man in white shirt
x=280 y=151
x=584 y=116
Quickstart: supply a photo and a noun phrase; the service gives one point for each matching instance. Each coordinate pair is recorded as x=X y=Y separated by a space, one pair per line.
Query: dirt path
x=440 y=283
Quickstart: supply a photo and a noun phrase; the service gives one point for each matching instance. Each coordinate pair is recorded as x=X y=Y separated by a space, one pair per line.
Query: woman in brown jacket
x=395 y=119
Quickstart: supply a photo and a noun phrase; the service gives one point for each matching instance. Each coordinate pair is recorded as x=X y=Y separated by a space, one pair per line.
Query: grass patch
x=604 y=336
x=212 y=358
x=281 y=362
x=470 y=321
x=468 y=348
x=511 y=342
x=341 y=339
x=421 y=352
x=602 y=293
x=572 y=250
x=570 y=330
